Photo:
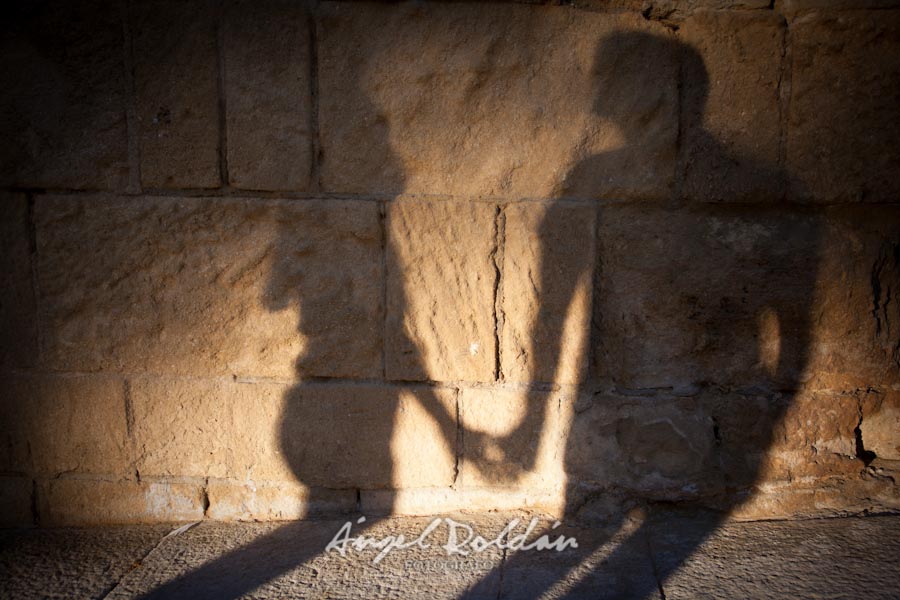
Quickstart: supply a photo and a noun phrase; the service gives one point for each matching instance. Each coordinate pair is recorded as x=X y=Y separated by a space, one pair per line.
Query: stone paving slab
x=694 y=556
x=71 y=563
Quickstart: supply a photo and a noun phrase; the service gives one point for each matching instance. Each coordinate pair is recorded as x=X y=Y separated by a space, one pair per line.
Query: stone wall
x=269 y=259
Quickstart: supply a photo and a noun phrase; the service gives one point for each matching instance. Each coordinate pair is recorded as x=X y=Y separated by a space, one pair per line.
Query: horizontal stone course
x=210 y=286
x=483 y=100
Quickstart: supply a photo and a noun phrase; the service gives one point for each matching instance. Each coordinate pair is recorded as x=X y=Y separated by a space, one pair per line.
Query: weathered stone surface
x=211 y=286
x=603 y=566
x=56 y=424
x=512 y=438
x=715 y=294
x=546 y=291
x=854 y=319
x=658 y=448
x=676 y=11
x=18 y=310
x=821 y=558
x=235 y=560
x=440 y=290
x=685 y=555
x=880 y=424
x=184 y=427
x=730 y=94
x=845 y=88
x=478 y=99
x=16 y=502
x=322 y=435
x=250 y=501
x=267 y=95
x=175 y=77
x=75 y=502
x=62 y=111
x=476 y=500
x=370 y=436
x=790 y=6
x=82 y=563
x=814 y=438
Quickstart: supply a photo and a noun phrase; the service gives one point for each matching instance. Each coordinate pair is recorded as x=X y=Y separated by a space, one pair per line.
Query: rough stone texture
x=790 y=6
x=251 y=501
x=844 y=93
x=815 y=438
x=481 y=500
x=880 y=423
x=659 y=448
x=813 y=559
x=475 y=99
x=18 y=310
x=76 y=502
x=175 y=76
x=854 y=334
x=677 y=10
x=62 y=111
x=730 y=90
x=370 y=437
x=267 y=95
x=16 y=501
x=680 y=555
x=262 y=561
x=548 y=265
x=603 y=566
x=70 y=563
x=62 y=424
x=211 y=286
x=715 y=295
x=512 y=438
x=440 y=290
x=332 y=436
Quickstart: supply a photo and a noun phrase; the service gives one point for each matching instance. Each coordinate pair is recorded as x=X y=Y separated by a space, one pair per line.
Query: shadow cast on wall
x=710 y=294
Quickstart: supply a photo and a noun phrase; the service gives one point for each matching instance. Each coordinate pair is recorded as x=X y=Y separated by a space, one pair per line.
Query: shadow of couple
x=733 y=314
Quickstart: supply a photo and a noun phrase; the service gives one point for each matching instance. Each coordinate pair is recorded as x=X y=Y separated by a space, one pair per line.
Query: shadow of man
x=696 y=304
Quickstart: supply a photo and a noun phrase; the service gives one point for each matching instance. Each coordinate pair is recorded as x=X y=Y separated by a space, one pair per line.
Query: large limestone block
x=267 y=95
x=370 y=436
x=279 y=501
x=731 y=115
x=880 y=424
x=62 y=111
x=799 y=437
x=513 y=438
x=855 y=314
x=321 y=435
x=176 y=82
x=495 y=100
x=655 y=447
x=56 y=424
x=70 y=502
x=843 y=126
x=713 y=294
x=200 y=286
x=18 y=310
x=546 y=292
x=184 y=427
x=441 y=277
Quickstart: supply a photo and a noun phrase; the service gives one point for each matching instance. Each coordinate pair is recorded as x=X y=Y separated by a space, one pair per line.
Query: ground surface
x=668 y=556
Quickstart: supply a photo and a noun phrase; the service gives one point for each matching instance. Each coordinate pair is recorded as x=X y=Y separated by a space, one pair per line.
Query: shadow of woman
x=736 y=281
x=332 y=444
